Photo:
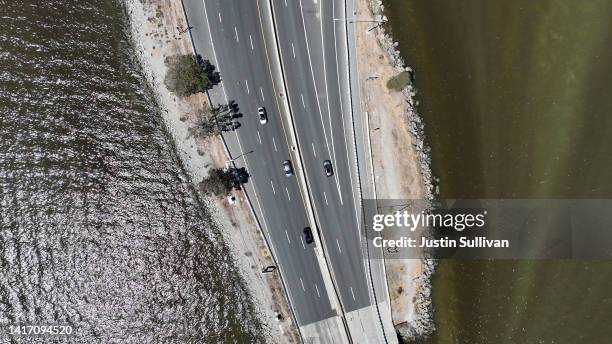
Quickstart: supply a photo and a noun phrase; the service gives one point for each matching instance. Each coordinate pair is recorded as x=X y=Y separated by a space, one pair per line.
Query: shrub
x=399 y=82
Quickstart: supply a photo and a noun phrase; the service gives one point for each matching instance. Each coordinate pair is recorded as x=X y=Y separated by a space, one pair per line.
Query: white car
x=263 y=116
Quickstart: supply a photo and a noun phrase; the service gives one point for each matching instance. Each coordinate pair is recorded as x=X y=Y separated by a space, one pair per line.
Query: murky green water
x=516 y=97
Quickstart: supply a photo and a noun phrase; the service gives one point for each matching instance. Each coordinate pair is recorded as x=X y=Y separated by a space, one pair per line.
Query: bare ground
x=397 y=168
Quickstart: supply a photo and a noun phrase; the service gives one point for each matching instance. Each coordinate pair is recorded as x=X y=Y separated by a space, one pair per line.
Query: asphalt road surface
x=239 y=52
x=313 y=52
x=312 y=47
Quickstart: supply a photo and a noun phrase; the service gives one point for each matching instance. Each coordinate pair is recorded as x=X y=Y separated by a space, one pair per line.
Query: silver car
x=287 y=168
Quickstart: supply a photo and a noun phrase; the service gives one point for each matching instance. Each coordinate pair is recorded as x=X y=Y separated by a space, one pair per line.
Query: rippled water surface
x=99 y=228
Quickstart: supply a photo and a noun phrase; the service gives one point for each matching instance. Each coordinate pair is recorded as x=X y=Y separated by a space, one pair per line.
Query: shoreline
x=154 y=37
x=401 y=127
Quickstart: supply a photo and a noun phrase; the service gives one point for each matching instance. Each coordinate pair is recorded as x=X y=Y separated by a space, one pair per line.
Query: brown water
x=516 y=97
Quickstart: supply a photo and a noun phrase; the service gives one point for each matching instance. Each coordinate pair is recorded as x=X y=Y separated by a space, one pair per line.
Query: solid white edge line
x=314 y=85
x=346 y=144
x=331 y=128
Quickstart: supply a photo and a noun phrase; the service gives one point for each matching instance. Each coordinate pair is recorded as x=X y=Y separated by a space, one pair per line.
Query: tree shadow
x=209 y=69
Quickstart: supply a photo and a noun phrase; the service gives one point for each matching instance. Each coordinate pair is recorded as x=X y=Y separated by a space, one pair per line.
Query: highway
x=230 y=35
x=311 y=36
x=311 y=46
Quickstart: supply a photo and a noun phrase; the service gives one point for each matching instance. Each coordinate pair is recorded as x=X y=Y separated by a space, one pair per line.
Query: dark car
x=308 y=235
x=327 y=166
x=241 y=175
x=287 y=168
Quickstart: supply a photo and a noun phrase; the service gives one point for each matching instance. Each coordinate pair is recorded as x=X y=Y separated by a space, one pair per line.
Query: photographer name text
x=475 y=242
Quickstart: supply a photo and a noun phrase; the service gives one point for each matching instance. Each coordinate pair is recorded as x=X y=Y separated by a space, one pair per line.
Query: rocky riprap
x=423 y=325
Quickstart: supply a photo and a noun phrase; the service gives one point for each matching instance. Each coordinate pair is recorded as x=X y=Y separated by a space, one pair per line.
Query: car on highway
x=287 y=168
x=263 y=115
x=308 y=235
x=327 y=167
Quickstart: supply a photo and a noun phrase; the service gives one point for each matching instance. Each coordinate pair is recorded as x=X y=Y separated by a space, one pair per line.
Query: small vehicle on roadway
x=263 y=115
x=327 y=167
x=308 y=235
x=287 y=168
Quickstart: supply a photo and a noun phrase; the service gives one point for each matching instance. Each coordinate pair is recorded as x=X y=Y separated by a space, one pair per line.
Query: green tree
x=185 y=76
x=221 y=181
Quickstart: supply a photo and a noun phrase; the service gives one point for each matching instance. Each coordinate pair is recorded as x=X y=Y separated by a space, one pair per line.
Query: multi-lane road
x=311 y=39
x=312 y=47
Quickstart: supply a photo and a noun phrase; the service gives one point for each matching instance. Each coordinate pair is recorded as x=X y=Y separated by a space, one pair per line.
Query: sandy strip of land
x=401 y=166
x=154 y=31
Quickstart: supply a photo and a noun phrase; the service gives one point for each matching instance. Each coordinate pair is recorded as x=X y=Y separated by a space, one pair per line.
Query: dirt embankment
x=154 y=32
x=400 y=159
